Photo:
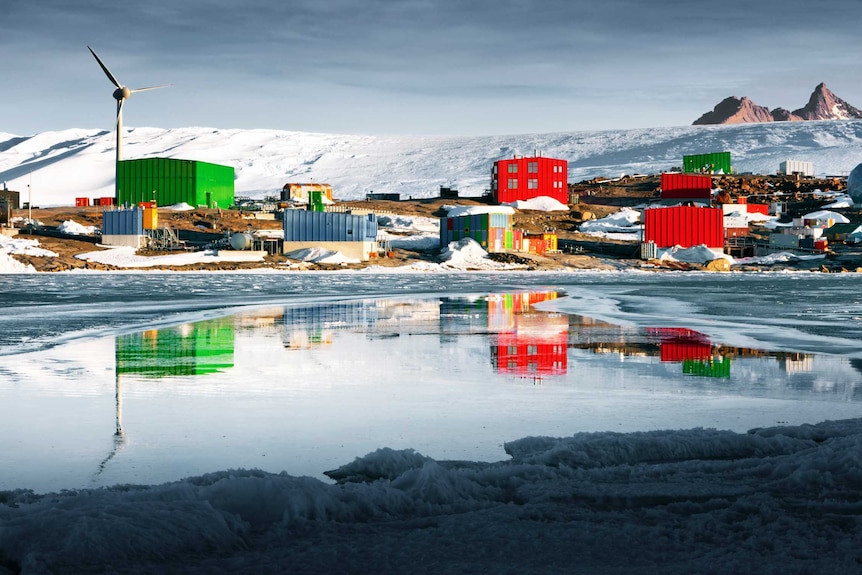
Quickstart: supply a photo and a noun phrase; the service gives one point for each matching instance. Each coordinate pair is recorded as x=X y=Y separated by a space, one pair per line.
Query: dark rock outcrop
x=784 y=115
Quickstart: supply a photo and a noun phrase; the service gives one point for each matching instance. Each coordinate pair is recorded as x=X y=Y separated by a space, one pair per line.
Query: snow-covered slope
x=60 y=166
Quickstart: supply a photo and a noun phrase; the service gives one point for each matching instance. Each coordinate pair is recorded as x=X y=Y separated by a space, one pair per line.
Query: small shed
x=490 y=227
x=353 y=236
x=123 y=227
x=843 y=232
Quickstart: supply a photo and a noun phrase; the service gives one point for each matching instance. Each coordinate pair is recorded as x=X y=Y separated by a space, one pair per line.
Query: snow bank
x=415 y=242
x=125 y=257
x=693 y=255
x=25 y=247
x=320 y=256
x=403 y=223
x=823 y=215
x=9 y=265
x=669 y=502
x=181 y=207
x=20 y=246
x=467 y=254
x=840 y=201
x=540 y=203
x=74 y=228
x=455 y=211
x=626 y=221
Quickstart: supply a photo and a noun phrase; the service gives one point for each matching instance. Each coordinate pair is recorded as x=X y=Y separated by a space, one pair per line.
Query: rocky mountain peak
x=822 y=105
x=735 y=110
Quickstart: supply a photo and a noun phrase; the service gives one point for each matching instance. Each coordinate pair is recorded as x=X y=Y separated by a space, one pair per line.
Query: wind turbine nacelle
x=122 y=93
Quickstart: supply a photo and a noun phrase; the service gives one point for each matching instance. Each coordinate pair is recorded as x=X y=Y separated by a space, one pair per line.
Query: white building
x=791 y=167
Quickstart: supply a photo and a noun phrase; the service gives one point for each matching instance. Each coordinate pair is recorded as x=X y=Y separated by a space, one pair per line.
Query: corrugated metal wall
x=550 y=179
x=303 y=226
x=685 y=182
x=123 y=222
x=491 y=231
x=712 y=162
x=172 y=181
x=214 y=185
x=685 y=226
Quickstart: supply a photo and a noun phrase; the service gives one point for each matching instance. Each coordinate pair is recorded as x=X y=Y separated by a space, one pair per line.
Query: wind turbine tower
x=121 y=94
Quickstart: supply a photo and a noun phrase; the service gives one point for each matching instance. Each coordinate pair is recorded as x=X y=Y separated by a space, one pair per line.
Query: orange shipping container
x=737 y=232
x=82 y=202
x=151 y=218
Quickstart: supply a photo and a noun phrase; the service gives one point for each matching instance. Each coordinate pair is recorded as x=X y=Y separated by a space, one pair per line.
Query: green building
x=169 y=181
x=714 y=163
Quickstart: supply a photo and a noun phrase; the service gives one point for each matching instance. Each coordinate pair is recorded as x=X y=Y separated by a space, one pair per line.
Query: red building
x=684 y=226
x=527 y=178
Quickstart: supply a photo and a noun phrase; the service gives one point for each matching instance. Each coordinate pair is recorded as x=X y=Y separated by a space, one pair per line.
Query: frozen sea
x=431 y=422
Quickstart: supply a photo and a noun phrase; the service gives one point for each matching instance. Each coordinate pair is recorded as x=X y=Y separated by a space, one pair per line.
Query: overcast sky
x=452 y=67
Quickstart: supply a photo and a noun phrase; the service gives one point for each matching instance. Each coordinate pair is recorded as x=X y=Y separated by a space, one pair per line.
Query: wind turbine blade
x=150 y=88
x=105 y=69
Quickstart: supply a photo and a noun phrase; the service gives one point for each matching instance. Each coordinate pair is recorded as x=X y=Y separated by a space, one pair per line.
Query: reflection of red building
x=680 y=344
x=529 y=342
x=691 y=348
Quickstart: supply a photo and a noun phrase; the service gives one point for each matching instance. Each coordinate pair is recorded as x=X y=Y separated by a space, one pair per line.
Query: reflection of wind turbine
x=119 y=434
x=120 y=95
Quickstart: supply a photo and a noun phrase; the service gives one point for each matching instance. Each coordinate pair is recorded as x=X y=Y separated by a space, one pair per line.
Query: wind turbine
x=121 y=94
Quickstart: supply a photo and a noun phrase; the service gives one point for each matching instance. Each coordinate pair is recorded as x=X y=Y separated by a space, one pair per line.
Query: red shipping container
x=82 y=202
x=684 y=226
x=686 y=186
x=820 y=245
x=758 y=209
x=106 y=201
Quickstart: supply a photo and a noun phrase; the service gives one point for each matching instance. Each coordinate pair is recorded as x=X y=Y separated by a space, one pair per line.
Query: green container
x=171 y=181
x=315 y=201
x=707 y=163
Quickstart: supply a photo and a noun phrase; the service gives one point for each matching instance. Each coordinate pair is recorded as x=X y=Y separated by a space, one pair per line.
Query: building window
x=532 y=167
x=533 y=184
x=513 y=168
x=495 y=169
x=513 y=183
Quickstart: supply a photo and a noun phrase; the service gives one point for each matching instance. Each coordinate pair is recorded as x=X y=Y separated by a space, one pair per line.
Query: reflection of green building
x=707 y=368
x=190 y=349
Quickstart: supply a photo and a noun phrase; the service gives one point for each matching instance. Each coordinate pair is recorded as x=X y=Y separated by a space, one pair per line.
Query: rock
x=718 y=265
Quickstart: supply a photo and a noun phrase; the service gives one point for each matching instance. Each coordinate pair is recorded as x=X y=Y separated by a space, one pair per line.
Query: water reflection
x=521 y=340
x=189 y=349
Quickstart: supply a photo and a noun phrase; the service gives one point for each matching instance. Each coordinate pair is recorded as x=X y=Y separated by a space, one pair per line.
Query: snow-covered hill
x=60 y=166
